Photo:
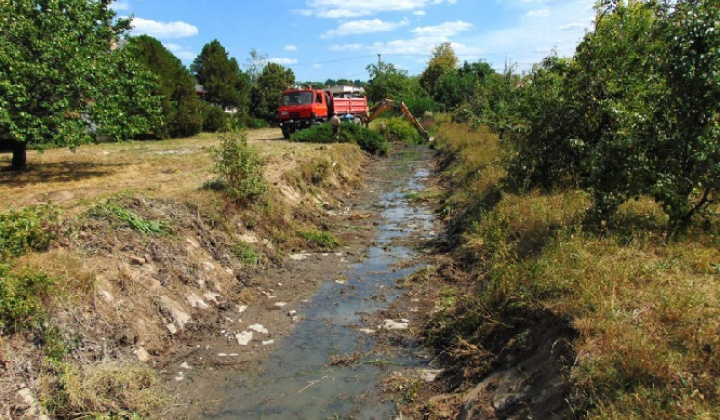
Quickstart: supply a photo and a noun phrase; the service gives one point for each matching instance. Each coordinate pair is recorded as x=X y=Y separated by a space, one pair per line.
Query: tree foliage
x=268 y=89
x=220 y=75
x=634 y=113
x=60 y=80
x=182 y=109
x=443 y=62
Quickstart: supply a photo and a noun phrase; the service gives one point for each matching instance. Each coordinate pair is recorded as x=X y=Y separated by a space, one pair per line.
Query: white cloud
x=163 y=30
x=363 y=27
x=342 y=9
x=317 y=66
x=419 y=13
x=120 y=6
x=346 y=47
x=541 y=13
x=283 y=61
x=290 y=48
x=445 y=29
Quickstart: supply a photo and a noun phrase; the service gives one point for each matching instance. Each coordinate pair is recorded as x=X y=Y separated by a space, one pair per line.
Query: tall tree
x=387 y=81
x=443 y=61
x=57 y=71
x=220 y=75
x=268 y=89
x=182 y=109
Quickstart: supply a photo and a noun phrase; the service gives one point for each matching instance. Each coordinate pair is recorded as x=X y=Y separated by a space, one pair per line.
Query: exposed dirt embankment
x=149 y=262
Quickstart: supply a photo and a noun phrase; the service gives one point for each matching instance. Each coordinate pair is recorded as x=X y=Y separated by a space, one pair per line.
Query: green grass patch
x=246 y=253
x=320 y=239
x=122 y=216
x=30 y=228
x=23 y=295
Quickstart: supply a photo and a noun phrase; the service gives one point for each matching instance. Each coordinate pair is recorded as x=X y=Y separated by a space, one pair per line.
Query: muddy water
x=326 y=368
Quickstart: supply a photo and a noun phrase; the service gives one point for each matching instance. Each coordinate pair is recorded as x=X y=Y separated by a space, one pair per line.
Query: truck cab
x=302 y=107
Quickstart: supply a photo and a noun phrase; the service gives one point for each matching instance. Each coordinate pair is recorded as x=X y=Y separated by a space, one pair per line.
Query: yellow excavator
x=388 y=104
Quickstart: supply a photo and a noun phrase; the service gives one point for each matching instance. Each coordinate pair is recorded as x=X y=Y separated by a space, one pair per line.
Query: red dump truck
x=301 y=107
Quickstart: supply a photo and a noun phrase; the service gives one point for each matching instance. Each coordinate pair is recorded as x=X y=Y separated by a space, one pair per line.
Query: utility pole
x=379 y=60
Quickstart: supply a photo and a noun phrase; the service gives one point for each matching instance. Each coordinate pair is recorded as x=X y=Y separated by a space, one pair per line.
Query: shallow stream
x=306 y=378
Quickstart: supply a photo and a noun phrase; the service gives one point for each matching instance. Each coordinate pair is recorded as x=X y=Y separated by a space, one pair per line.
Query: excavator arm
x=388 y=104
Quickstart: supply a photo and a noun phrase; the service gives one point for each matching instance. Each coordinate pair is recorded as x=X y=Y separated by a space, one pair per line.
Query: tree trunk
x=19 y=159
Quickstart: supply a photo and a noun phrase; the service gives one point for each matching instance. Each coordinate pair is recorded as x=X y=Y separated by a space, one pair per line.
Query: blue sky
x=322 y=39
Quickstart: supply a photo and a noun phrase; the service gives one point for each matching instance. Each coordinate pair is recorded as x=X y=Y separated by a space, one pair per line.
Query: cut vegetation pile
x=555 y=318
x=95 y=290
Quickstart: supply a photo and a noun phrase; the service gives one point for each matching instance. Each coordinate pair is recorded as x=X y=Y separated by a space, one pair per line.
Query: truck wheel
x=286 y=133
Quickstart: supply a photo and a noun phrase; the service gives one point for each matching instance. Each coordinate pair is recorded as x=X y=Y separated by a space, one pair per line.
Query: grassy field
x=646 y=313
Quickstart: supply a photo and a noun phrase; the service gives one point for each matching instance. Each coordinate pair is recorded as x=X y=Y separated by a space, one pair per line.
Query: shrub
x=367 y=139
x=21 y=298
x=239 y=168
x=30 y=228
x=316 y=134
x=399 y=129
x=214 y=119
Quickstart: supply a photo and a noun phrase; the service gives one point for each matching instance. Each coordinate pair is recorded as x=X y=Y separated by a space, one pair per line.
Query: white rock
x=185 y=365
x=142 y=354
x=172 y=328
x=390 y=324
x=244 y=338
x=259 y=328
x=367 y=330
x=179 y=316
x=292 y=313
x=241 y=308
x=196 y=302
x=429 y=375
x=34 y=409
x=300 y=257
x=280 y=304
x=212 y=297
x=268 y=342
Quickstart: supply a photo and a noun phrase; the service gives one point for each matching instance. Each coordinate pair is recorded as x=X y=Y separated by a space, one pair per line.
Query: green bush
x=214 y=119
x=399 y=129
x=367 y=139
x=30 y=228
x=21 y=298
x=316 y=134
x=239 y=168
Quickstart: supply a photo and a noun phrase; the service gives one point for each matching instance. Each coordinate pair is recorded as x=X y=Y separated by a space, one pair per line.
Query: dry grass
x=161 y=169
x=647 y=313
x=102 y=390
